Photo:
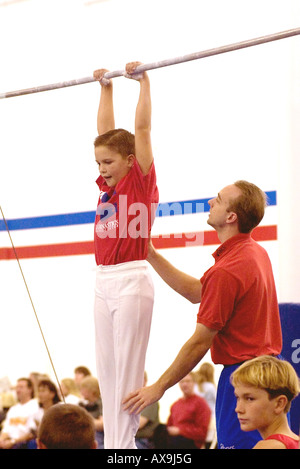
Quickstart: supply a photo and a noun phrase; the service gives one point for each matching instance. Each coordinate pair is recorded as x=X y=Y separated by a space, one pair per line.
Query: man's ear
x=232 y=217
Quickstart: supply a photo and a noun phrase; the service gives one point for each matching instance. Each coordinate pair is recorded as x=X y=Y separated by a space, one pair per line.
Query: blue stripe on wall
x=80 y=218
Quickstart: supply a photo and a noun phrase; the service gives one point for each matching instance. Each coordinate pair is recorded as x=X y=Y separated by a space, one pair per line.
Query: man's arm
x=186 y=285
x=143 y=146
x=188 y=357
x=105 y=117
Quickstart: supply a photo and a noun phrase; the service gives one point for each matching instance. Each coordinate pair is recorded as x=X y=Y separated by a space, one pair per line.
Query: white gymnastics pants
x=123 y=312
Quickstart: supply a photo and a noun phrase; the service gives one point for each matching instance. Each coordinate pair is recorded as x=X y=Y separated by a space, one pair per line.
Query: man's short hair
x=249 y=206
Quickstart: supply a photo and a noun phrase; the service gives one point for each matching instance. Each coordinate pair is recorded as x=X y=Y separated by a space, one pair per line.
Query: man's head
x=66 y=426
x=24 y=390
x=249 y=206
x=239 y=206
x=187 y=385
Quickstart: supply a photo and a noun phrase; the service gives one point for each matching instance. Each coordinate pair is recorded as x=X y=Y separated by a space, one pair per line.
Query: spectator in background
x=70 y=391
x=149 y=420
x=90 y=391
x=7 y=399
x=47 y=397
x=81 y=372
x=188 y=422
x=16 y=432
x=206 y=388
x=35 y=377
x=66 y=426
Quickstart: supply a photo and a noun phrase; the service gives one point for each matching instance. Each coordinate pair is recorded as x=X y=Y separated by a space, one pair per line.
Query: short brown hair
x=249 y=206
x=29 y=385
x=67 y=426
x=119 y=140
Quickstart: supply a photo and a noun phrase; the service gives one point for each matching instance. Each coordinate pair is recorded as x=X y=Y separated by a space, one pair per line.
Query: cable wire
x=32 y=304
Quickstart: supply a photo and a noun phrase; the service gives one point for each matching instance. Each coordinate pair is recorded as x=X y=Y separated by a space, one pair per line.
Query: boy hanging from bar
x=124 y=288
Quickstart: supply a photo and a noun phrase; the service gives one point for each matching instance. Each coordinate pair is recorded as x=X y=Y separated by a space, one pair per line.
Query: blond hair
x=90 y=383
x=205 y=374
x=271 y=374
x=71 y=386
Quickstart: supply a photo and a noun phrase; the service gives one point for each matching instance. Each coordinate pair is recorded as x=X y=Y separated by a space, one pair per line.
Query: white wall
x=233 y=116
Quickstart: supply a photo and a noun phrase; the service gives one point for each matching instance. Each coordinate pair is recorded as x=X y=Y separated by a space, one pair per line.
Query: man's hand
x=137 y=400
x=173 y=431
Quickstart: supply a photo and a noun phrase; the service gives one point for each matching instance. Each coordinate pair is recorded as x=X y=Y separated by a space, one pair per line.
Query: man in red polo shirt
x=238 y=317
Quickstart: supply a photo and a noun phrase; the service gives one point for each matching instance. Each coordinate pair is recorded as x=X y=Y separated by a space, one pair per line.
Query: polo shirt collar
x=229 y=243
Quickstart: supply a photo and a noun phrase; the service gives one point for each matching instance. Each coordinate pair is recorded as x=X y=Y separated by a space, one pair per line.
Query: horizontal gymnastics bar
x=160 y=64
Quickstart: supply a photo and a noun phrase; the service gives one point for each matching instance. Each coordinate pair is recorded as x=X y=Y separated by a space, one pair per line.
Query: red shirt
x=125 y=214
x=192 y=416
x=289 y=442
x=239 y=300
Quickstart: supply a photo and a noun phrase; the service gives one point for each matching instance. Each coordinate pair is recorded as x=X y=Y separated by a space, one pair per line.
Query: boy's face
x=112 y=165
x=255 y=410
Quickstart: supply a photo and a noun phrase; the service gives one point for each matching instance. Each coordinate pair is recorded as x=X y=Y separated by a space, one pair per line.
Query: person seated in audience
x=47 y=397
x=16 y=432
x=81 y=372
x=264 y=388
x=188 y=422
x=206 y=388
x=35 y=377
x=70 y=391
x=7 y=400
x=149 y=420
x=66 y=426
x=90 y=391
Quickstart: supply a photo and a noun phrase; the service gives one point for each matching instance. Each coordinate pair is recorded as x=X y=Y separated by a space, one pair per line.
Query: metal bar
x=160 y=64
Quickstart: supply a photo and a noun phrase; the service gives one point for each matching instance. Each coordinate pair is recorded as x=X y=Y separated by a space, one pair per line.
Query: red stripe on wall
x=176 y=240
x=48 y=250
x=261 y=233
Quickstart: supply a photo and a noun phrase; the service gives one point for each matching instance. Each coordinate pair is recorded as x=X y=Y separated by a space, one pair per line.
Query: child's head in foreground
x=264 y=388
x=66 y=426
